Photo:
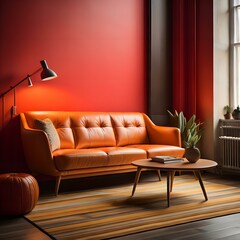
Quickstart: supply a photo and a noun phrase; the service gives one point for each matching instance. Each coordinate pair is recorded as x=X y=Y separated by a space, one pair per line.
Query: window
x=234 y=53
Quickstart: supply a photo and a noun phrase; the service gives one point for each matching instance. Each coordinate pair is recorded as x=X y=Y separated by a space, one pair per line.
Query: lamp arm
x=38 y=70
x=12 y=87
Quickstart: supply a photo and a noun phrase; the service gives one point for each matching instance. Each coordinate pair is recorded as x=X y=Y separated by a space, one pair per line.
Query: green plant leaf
x=190 y=130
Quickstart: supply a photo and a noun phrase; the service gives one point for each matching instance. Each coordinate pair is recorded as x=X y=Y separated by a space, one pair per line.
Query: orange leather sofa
x=94 y=143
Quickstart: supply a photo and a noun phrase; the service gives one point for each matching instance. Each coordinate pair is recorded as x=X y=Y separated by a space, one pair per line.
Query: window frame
x=234 y=52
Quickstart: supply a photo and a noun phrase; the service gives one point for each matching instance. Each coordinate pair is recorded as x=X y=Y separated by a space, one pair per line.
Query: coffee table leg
x=159 y=175
x=169 y=176
x=138 y=173
x=198 y=175
x=172 y=178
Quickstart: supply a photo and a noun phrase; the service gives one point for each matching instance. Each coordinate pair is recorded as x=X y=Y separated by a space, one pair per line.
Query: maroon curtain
x=184 y=59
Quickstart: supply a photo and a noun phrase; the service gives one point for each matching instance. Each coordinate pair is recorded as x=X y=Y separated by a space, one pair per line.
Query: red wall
x=96 y=47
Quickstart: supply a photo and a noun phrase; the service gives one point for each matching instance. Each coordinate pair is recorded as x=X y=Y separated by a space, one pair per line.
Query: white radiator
x=229 y=139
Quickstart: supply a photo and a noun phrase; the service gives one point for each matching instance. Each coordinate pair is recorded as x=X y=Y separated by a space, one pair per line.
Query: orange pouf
x=19 y=193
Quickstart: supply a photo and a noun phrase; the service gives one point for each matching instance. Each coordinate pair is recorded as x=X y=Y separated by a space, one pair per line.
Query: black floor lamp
x=46 y=74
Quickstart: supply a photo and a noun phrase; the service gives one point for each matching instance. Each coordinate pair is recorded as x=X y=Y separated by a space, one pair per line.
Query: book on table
x=167 y=159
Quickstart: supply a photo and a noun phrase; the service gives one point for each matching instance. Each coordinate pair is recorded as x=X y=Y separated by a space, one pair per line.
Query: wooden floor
x=224 y=228
x=20 y=229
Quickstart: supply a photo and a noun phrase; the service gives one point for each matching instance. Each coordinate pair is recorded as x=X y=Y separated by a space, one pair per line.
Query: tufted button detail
x=137 y=124
x=102 y=124
x=126 y=124
x=86 y=124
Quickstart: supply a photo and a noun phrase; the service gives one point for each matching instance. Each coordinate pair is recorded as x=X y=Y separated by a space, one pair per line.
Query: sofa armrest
x=162 y=134
x=37 y=149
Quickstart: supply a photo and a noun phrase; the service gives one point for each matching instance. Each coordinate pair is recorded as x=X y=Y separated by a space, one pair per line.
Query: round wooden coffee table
x=171 y=168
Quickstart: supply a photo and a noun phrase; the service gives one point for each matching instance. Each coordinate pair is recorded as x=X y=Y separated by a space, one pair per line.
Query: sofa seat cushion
x=123 y=155
x=69 y=159
x=156 y=150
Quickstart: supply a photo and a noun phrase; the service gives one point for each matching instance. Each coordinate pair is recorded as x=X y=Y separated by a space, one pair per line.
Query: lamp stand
x=14 y=107
x=46 y=74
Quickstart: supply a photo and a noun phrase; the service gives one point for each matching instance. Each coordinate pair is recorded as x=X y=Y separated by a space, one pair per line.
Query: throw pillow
x=47 y=126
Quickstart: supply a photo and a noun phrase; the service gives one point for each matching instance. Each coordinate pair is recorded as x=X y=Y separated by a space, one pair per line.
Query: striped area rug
x=111 y=212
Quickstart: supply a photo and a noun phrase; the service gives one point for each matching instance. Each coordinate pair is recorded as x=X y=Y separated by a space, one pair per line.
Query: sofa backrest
x=94 y=129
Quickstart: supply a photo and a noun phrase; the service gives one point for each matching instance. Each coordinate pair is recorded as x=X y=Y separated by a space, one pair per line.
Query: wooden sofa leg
x=58 y=180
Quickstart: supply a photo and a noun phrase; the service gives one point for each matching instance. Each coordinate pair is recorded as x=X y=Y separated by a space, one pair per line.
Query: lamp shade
x=47 y=73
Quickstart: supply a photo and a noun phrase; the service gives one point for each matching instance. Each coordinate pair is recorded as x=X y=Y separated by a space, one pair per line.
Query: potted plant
x=227 y=112
x=192 y=137
x=191 y=132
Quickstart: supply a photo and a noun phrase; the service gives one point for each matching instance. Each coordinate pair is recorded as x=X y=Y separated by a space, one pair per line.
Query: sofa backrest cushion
x=61 y=121
x=129 y=128
x=93 y=130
